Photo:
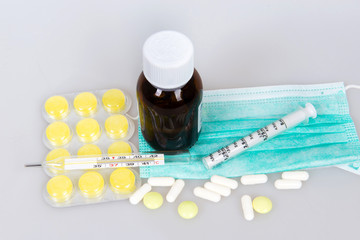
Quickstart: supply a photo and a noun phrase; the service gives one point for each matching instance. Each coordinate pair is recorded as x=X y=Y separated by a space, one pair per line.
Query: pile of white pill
x=260 y=204
x=291 y=180
x=175 y=190
x=214 y=190
x=217 y=187
x=154 y=200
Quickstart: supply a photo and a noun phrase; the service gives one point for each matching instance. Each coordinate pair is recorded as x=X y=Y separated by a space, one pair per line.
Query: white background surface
x=49 y=47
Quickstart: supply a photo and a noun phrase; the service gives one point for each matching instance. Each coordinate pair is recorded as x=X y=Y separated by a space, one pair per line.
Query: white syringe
x=261 y=135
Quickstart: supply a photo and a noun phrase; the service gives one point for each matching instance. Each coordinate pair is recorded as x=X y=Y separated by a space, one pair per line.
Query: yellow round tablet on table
x=91 y=184
x=188 y=209
x=89 y=149
x=122 y=181
x=85 y=104
x=119 y=147
x=57 y=107
x=88 y=130
x=57 y=156
x=262 y=204
x=153 y=200
x=114 y=101
x=58 y=134
x=60 y=188
x=117 y=126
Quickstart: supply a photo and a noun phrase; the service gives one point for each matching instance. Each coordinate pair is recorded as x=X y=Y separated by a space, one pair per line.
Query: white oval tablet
x=206 y=194
x=295 y=175
x=139 y=194
x=161 y=181
x=175 y=190
x=287 y=184
x=220 y=189
x=231 y=183
x=247 y=207
x=254 y=179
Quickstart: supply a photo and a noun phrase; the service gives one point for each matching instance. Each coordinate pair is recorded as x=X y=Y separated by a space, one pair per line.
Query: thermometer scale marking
x=134 y=160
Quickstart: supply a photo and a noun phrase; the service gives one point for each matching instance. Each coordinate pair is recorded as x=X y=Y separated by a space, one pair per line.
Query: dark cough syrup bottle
x=169 y=92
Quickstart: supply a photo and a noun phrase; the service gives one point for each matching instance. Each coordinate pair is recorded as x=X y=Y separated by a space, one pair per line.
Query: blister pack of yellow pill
x=90 y=187
x=88 y=124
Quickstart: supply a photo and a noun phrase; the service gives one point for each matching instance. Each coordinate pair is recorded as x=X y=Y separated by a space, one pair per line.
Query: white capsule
x=206 y=194
x=287 y=184
x=231 y=183
x=254 y=179
x=220 y=189
x=175 y=190
x=161 y=181
x=295 y=175
x=139 y=194
x=247 y=207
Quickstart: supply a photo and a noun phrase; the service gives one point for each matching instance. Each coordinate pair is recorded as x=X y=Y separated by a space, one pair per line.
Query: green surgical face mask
x=230 y=114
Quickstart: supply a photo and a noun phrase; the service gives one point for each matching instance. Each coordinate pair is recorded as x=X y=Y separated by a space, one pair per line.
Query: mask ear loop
x=345 y=167
x=352 y=87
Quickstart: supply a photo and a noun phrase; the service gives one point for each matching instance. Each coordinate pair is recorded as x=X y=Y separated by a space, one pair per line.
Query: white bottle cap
x=168 y=59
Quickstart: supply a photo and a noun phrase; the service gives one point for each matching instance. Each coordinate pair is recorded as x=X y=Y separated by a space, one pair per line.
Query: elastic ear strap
x=352 y=86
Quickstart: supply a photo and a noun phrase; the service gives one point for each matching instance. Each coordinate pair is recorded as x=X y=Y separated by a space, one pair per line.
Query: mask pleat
x=290 y=141
x=236 y=130
x=272 y=108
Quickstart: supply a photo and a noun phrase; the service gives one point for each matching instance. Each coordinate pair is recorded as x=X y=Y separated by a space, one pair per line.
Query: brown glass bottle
x=170 y=119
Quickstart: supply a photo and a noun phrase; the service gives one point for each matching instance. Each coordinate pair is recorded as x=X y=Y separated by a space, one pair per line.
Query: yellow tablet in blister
x=57 y=107
x=114 y=101
x=119 y=147
x=56 y=156
x=89 y=149
x=122 y=181
x=85 y=104
x=58 y=134
x=117 y=126
x=60 y=188
x=88 y=130
x=91 y=184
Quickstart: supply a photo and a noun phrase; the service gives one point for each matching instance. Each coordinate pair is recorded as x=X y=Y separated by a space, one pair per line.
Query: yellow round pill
x=85 y=104
x=57 y=156
x=122 y=181
x=114 y=101
x=153 y=200
x=116 y=126
x=57 y=107
x=119 y=147
x=262 y=204
x=88 y=130
x=91 y=184
x=58 y=134
x=188 y=209
x=60 y=188
x=89 y=149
